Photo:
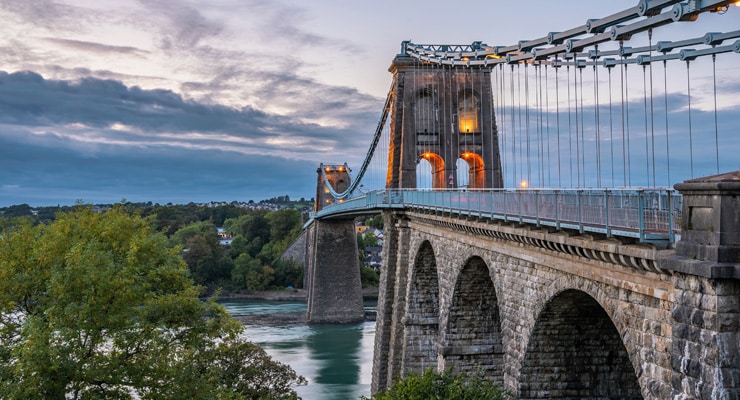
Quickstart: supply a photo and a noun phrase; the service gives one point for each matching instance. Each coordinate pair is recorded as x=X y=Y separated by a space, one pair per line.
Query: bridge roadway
x=645 y=215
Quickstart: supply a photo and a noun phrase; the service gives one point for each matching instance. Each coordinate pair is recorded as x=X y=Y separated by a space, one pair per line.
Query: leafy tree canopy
x=99 y=306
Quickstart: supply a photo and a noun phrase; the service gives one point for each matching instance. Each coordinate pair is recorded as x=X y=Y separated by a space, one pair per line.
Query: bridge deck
x=648 y=215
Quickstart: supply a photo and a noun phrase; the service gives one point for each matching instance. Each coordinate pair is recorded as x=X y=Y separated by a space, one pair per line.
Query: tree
x=99 y=306
x=288 y=272
x=375 y=221
x=435 y=385
x=250 y=274
x=206 y=258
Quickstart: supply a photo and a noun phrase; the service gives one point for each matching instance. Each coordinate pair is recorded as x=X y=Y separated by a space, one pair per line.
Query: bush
x=368 y=277
x=433 y=385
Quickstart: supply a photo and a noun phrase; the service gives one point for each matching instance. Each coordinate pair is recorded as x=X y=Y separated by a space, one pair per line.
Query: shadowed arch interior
x=422 y=313
x=575 y=352
x=472 y=339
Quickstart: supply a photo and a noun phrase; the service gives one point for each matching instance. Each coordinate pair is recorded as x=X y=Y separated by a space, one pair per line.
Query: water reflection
x=335 y=359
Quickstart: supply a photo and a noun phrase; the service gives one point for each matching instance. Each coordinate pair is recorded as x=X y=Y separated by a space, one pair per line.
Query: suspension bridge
x=532 y=230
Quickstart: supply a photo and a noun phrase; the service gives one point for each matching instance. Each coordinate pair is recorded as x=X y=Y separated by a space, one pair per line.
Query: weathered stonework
x=552 y=315
x=333 y=278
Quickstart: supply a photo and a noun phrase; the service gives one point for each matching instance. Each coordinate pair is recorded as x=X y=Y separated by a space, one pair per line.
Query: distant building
x=224 y=237
x=360 y=227
x=373 y=257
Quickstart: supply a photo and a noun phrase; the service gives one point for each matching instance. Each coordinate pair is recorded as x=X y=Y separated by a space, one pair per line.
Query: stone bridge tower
x=441 y=114
x=332 y=266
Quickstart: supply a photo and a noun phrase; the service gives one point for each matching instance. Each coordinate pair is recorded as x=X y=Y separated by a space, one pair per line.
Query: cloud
x=93 y=138
x=48 y=14
x=95 y=47
x=27 y=98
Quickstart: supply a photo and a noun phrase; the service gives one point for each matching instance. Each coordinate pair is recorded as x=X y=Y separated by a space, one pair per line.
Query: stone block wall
x=705 y=356
x=567 y=324
x=334 y=287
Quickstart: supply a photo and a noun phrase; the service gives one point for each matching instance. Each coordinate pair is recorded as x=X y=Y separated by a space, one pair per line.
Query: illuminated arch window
x=467 y=113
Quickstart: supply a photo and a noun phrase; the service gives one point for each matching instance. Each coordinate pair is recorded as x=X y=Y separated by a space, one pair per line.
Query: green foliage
x=249 y=273
x=375 y=221
x=100 y=306
x=260 y=240
x=369 y=277
x=433 y=385
x=202 y=251
x=288 y=273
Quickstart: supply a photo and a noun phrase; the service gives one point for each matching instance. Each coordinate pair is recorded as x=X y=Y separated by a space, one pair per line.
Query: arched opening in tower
x=576 y=352
x=470 y=169
x=430 y=171
x=472 y=339
x=421 y=328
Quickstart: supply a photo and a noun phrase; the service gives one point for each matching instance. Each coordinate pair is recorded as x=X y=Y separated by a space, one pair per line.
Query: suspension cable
x=513 y=129
x=652 y=107
x=598 y=124
x=627 y=114
x=570 y=129
x=647 y=149
x=526 y=111
x=625 y=167
x=582 y=156
x=716 y=125
x=665 y=97
x=557 y=117
x=691 y=140
x=611 y=124
x=547 y=124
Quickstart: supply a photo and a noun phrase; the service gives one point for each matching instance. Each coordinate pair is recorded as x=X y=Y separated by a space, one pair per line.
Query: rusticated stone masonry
x=554 y=315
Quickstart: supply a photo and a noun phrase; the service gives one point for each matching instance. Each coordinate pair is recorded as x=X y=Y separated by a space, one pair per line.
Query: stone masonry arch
x=576 y=352
x=422 y=312
x=523 y=283
x=471 y=333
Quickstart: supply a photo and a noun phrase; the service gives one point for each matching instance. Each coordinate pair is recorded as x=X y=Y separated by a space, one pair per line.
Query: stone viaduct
x=557 y=315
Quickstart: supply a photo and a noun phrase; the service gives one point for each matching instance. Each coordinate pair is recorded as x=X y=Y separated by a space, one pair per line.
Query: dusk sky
x=222 y=100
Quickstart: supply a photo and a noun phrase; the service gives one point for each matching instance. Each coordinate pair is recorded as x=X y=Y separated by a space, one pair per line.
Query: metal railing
x=649 y=215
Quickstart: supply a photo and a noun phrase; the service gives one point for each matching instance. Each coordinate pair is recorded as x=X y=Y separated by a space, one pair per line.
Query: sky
x=222 y=100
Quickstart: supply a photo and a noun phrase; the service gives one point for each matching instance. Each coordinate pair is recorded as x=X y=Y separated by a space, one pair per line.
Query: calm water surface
x=335 y=359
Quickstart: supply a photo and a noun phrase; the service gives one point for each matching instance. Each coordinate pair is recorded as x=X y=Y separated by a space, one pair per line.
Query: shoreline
x=284 y=319
x=285 y=295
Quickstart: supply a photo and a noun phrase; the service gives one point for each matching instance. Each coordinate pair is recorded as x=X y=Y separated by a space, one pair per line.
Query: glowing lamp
x=523 y=184
x=327 y=169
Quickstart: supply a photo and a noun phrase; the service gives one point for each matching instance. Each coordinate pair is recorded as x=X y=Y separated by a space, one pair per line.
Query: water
x=335 y=359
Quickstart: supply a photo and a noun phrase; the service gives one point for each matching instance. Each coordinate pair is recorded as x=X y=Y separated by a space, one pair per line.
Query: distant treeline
x=259 y=235
x=175 y=215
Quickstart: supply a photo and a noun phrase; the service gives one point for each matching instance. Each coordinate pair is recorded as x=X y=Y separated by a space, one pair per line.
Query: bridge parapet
x=645 y=215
